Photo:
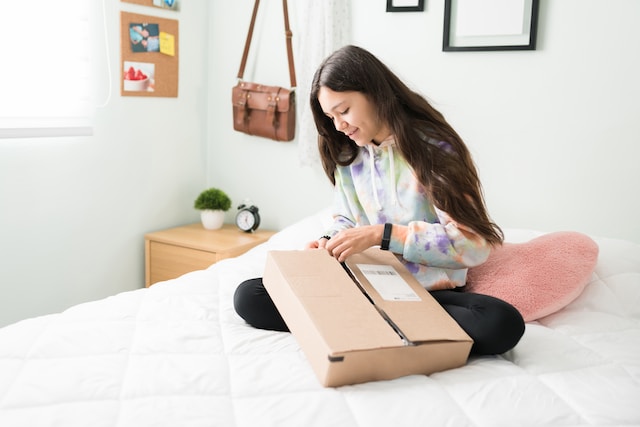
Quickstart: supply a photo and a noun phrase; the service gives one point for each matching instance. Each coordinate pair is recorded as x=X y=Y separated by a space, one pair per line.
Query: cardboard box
x=356 y=327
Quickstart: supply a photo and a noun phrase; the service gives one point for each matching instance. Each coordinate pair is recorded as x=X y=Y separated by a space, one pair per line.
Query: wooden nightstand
x=176 y=251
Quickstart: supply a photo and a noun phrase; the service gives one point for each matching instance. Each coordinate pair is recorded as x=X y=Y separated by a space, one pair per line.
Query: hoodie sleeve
x=444 y=244
x=343 y=209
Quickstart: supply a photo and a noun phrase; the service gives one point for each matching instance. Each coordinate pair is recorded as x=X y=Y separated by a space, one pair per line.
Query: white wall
x=73 y=211
x=554 y=131
x=269 y=173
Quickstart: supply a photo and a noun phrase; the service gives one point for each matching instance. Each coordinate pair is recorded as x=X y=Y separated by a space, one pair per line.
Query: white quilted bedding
x=176 y=354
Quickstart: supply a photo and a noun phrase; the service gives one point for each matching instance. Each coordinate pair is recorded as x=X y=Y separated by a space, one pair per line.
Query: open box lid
x=416 y=315
x=343 y=316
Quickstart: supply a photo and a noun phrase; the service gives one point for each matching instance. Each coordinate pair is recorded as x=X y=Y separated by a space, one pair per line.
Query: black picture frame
x=455 y=39
x=392 y=7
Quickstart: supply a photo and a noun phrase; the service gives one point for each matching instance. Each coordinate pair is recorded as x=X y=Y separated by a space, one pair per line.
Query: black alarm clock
x=247 y=218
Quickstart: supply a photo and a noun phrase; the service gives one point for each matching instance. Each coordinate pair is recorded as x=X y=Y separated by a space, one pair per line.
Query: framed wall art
x=471 y=25
x=405 y=5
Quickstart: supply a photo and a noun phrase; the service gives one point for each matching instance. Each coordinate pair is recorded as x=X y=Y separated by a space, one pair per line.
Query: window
x=45 y=76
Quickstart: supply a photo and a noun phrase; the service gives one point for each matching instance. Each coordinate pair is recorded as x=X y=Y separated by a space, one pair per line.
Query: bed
x=176 y=354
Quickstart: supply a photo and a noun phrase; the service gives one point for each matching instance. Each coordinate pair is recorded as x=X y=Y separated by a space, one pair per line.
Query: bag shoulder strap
x=288 y=36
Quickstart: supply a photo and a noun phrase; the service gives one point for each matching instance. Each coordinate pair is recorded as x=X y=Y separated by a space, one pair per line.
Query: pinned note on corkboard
x=149 y=51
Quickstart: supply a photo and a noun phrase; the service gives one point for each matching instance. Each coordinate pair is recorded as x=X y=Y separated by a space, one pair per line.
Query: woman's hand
x=353 y=241
x=317 y=244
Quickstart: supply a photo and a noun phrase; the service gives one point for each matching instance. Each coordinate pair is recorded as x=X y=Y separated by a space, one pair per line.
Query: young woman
x=403 y=180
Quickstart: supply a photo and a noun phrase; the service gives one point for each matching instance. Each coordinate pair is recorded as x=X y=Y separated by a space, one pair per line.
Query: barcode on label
x=380 y=272
x=389 y=284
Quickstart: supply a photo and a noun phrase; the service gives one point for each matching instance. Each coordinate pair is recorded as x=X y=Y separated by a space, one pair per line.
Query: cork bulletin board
x=165 y=4
x=149 y=50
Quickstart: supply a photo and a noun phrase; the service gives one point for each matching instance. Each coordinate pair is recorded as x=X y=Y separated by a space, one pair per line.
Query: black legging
x=494 y=325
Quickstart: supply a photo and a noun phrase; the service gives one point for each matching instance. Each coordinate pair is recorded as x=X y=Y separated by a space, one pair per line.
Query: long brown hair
x=437 y=154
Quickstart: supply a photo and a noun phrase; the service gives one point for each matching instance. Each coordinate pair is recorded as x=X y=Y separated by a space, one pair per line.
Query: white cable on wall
x=107 y=57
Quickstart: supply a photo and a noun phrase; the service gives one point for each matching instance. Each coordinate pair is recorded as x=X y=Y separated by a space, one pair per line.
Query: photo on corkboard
x=138 y=77
x=144 y=37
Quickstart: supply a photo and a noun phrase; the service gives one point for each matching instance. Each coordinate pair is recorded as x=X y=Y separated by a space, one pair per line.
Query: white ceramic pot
x=136 y=85
x=212 y=220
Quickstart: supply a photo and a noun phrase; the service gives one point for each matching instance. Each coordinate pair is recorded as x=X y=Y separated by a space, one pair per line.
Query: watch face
x=245 y=220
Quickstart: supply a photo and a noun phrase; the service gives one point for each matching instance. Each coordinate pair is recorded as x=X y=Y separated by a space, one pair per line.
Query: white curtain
x=323 y=27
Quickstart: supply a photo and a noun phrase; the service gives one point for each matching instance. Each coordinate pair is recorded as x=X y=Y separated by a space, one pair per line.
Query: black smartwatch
x=386 y=237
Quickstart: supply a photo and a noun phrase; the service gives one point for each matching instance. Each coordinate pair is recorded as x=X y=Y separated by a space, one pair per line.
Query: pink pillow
x=538 y=277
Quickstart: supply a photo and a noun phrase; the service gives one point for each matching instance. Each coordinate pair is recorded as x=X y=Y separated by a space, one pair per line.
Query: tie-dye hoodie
x=379 y=187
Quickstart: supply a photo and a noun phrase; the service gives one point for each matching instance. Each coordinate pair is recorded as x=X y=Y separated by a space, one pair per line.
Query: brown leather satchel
x=263 y=110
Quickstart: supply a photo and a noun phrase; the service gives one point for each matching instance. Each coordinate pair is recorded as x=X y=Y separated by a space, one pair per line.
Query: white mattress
x=176 y=354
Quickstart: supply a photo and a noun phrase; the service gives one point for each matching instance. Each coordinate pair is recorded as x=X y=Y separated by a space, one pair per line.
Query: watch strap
x=386 y=237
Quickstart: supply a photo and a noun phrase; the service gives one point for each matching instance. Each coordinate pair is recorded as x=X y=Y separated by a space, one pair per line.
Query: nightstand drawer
x=173 y=252
x=170 y=261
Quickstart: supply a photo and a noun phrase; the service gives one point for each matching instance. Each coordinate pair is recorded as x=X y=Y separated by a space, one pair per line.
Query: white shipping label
x=389 y=284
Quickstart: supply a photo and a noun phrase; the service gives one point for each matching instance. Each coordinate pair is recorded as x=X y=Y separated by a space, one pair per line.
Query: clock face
x=246 y=220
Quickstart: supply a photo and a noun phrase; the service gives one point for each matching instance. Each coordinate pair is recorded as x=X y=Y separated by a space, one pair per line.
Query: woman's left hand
x=354 y=240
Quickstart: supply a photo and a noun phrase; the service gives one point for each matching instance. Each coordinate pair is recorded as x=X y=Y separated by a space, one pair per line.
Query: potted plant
x=212 y=203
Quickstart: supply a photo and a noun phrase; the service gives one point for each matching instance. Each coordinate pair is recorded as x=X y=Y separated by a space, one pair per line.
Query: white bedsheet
x=176 y=354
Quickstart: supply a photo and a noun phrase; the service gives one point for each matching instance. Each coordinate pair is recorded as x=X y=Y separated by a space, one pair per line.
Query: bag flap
x=260 y=97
